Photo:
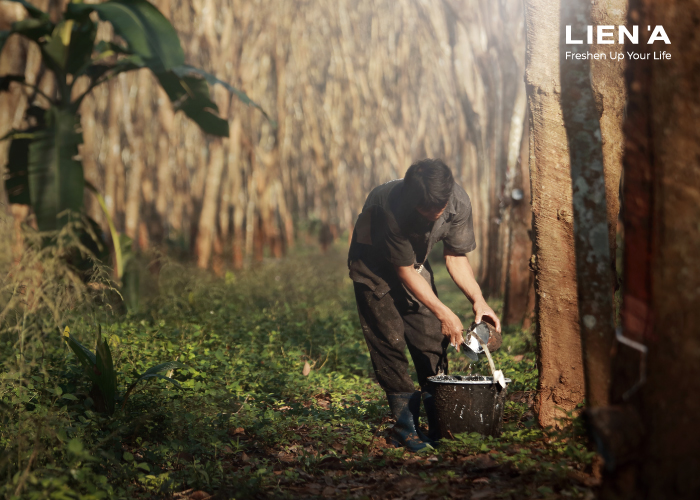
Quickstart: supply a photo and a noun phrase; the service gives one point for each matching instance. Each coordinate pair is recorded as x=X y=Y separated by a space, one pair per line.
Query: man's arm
x=462 y=274
x=451 y=324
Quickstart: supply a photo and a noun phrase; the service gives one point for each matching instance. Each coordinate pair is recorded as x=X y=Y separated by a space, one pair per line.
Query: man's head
x=427 y=187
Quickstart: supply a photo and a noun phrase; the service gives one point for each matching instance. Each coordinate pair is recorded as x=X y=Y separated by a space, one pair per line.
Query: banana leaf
x=32 y=28
x=53 y=49
x=146 y=31
x=81 y=45
x=186 y=70
x=190 y=94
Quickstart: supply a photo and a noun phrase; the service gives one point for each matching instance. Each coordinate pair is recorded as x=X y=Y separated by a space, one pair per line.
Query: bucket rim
x=488 y=381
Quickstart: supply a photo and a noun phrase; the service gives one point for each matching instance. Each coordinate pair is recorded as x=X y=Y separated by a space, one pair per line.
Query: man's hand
x=461 y=271
x=419 y=286
x=483 y=310
x=452 y=328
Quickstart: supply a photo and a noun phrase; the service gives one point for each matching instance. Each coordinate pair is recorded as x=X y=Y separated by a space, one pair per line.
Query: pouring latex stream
x=498 y=377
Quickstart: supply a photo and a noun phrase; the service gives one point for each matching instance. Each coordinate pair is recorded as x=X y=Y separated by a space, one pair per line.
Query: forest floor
x=248 y=420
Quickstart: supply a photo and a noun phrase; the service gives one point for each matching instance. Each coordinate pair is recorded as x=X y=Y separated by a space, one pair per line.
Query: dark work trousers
x=393 y=321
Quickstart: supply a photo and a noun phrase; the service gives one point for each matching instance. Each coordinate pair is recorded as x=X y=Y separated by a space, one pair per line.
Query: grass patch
x=247 y=421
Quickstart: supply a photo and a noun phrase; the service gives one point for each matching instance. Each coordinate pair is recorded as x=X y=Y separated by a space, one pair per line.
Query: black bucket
x=468 y=404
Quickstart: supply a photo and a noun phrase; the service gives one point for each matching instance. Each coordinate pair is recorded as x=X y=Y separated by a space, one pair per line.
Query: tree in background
x=359 y=89
x=43 y=170
x=519 y=290
x=560 y=359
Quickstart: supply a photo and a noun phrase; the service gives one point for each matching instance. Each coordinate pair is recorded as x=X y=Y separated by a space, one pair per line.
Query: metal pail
x=468 y=404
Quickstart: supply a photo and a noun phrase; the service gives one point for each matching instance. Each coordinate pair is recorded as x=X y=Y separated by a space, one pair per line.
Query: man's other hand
x=452 y=328
x=483 y=310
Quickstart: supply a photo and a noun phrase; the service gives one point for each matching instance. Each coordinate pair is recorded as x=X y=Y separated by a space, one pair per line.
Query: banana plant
x=43 y=171
x=99 y=368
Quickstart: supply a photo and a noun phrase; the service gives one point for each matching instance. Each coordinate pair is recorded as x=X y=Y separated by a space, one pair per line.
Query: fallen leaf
x=315 y=488
x=381 y=443
x=303 y=474
x=329 y=461
x=245 y=457
x=484 y=462
x=582 y=478
x=307 y=369
x=199 y=495
x=481 y=495
x=183 y=494
x=519 y=357
x=407 y=483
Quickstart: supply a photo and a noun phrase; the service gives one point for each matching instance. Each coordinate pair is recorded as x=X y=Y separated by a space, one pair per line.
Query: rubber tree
x=650 y=436
x=519 y=293
x=591 y=240
x=562 y=384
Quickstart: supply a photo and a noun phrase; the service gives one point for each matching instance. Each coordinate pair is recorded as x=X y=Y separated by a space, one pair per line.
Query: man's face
x=432 y=214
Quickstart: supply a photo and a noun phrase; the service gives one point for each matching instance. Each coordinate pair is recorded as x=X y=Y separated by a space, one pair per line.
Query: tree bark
x=601 y=96
x=136 y=165
x=661 y=272
x=207 y=228
x=588 y=179
x=517 y=304
x=561 y=380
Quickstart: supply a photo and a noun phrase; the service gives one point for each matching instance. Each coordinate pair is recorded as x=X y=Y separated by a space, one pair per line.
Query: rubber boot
x=405 y=407
x=434 y=434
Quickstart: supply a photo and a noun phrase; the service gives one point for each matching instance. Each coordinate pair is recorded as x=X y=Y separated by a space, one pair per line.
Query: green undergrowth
x=276 y=389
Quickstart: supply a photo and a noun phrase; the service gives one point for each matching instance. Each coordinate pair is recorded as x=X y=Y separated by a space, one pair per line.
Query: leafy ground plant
x=99 y=368
x=249 y=421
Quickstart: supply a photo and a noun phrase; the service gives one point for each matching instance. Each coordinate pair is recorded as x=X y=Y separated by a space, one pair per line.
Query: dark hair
x=428 y=184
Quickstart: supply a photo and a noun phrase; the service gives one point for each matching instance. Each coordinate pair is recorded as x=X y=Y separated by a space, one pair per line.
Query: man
x=395 y=292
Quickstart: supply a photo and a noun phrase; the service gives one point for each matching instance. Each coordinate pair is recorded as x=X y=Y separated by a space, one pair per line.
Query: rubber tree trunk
x=515 y=206
x=560 y=357
x=661 y=272
x=517 y=304
x=561 y=382
x=206 y=231
x=591 y=239
x=132 y=215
